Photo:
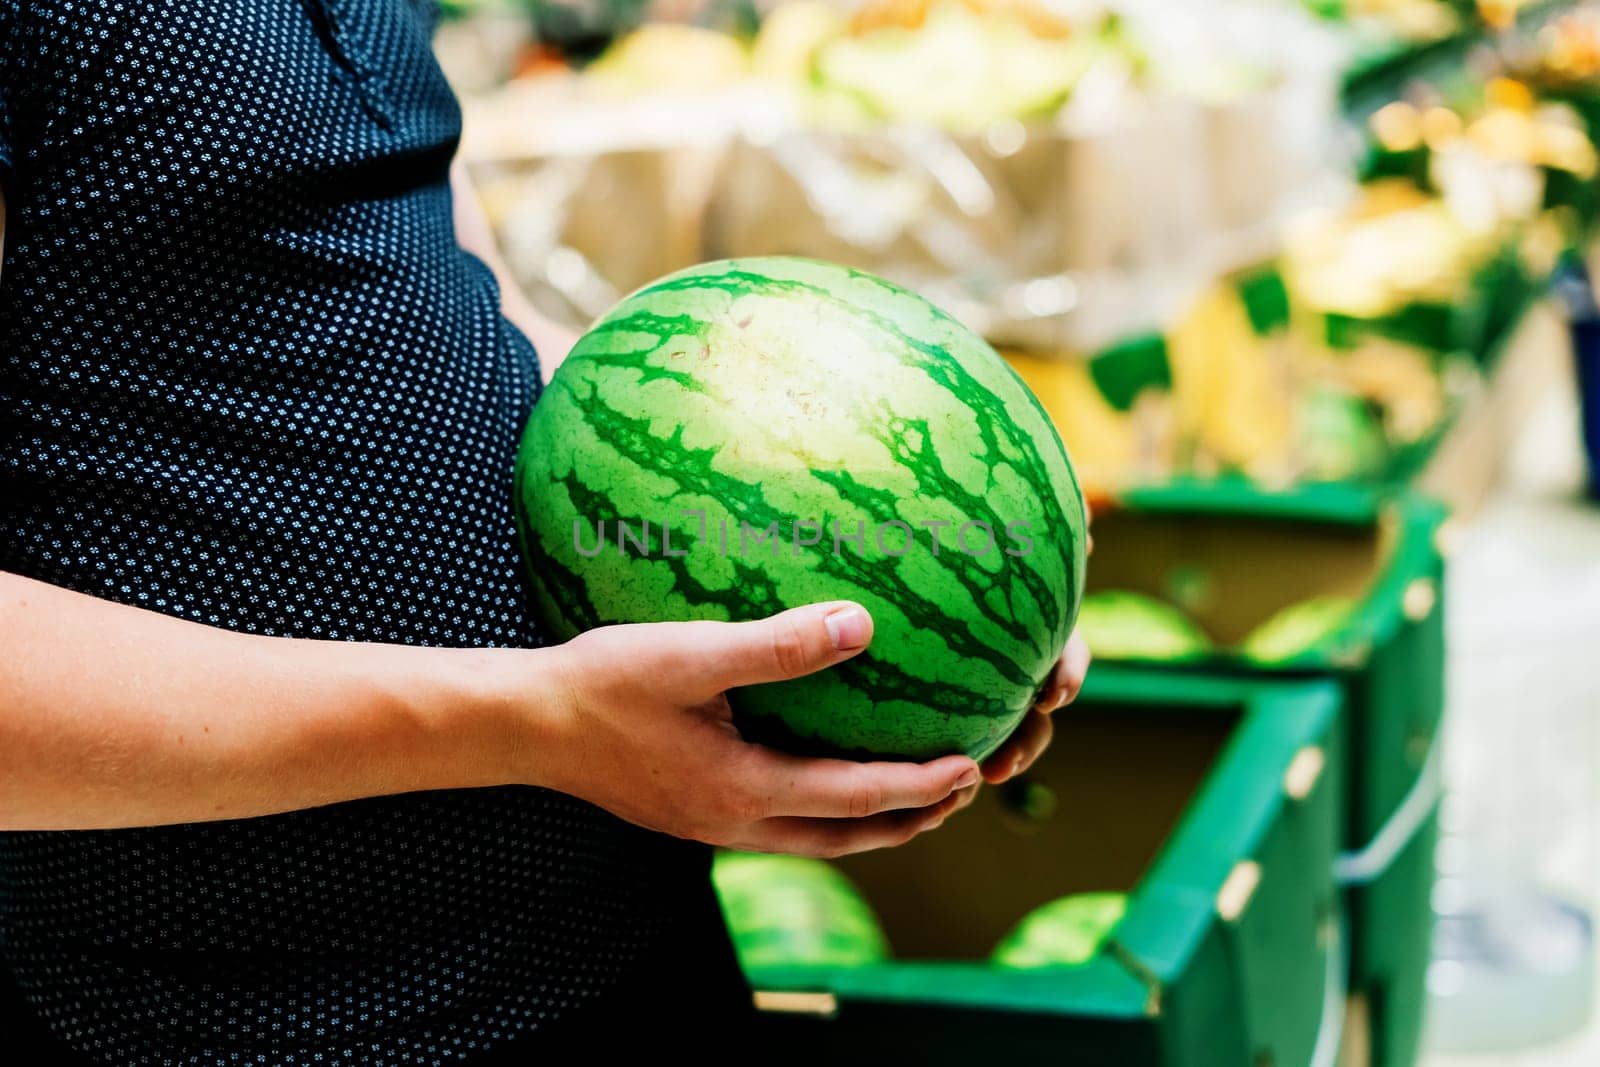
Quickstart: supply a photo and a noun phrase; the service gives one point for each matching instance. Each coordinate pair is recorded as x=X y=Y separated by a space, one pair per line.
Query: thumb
x=787 y=645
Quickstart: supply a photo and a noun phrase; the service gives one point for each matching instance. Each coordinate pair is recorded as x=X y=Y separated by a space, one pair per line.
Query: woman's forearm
x=115 y=716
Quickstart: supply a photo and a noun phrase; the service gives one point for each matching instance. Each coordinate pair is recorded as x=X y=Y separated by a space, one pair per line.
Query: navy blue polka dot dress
x=248 y=378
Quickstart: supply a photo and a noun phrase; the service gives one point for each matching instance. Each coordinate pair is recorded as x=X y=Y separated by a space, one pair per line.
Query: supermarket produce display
x=807 y=432
x=1037 y=208
x=1255 y=268
x=1363 y=570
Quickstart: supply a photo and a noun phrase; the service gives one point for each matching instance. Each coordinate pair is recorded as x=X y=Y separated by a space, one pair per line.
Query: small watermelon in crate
x=1063 y=933
x=789 y=911
x=751 y=435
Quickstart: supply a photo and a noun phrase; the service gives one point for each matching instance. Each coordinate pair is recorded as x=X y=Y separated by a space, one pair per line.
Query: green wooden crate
x=1230 y=555
x=1214 y=802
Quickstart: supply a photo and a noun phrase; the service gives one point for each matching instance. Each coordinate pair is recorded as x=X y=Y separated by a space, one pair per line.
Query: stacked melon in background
x=785 y=911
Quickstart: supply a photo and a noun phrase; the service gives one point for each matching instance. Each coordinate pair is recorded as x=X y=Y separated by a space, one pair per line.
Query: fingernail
x=969 y=778
x=848 y=628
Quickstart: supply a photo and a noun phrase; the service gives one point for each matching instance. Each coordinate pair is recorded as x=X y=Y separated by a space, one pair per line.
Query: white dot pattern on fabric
x=247 y=378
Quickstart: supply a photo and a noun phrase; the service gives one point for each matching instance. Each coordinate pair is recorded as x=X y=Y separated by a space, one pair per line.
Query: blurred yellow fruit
x=1232 y=397
x=1397 y=126
x=668 y=57
x=1509 y=93
x=1103 y=442
x=1395 y=247
x=790 y=37
x=1440 y=126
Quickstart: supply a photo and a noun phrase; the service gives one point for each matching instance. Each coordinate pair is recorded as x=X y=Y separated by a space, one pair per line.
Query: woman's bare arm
x=113 y=716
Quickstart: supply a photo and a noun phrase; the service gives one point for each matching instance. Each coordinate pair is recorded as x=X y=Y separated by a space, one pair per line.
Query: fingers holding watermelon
x=644 y=729
x=1068 y=677
x=832 y=838
x=844 y=789
x=1027 y=744
x=781 y=648
x=1033 y=734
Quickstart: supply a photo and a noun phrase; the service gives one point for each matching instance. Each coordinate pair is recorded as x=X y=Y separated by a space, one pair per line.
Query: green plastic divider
x=1127 y=368
x=1265 y=297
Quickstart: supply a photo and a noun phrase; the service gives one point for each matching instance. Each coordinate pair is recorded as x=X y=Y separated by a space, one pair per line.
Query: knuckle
x=734 y=803
x=745 y=797
x=865 y=799
x=1047 y=731
x=717 y=837
x=750 y=807
x=789 y=657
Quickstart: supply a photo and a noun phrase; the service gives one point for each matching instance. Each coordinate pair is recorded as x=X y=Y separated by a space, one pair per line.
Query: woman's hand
x=649 y=736
x=1033 y=735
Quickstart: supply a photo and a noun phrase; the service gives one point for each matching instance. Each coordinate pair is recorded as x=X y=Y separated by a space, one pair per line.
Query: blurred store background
x=1305 y=288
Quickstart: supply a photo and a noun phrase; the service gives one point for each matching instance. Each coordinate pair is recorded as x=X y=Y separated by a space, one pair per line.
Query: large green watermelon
x=763 y=413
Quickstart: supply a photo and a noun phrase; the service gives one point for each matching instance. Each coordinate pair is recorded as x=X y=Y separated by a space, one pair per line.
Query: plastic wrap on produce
x=1039 y=236
x=563 y=235
x=591 y=198
x=1052 y=235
